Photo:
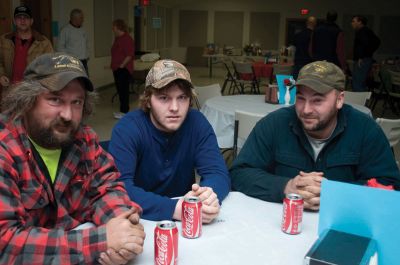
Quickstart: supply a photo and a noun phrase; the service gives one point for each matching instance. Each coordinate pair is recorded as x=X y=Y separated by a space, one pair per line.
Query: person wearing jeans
x=365 y=44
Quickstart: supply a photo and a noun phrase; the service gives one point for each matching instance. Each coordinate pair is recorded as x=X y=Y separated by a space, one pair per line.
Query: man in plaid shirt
x=54 y=176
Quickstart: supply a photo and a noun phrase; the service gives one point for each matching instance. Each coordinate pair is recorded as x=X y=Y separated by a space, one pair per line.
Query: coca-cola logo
x=188 y=214
x=162 y=247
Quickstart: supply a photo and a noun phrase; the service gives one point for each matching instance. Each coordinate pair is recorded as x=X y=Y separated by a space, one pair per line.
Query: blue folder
x=363 y=211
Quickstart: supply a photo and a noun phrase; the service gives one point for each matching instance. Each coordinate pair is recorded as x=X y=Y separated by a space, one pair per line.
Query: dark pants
x=122 y=78
x=360 y=74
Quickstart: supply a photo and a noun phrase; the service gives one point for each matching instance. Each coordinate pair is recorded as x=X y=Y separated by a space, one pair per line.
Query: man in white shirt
x=73 y=38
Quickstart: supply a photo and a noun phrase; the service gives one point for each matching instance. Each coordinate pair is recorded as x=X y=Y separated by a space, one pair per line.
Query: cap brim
x=165 y=81
x=314 y=85
x=58 y=81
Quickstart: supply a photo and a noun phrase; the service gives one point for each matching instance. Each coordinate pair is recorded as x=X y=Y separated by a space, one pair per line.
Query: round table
x=220 y=112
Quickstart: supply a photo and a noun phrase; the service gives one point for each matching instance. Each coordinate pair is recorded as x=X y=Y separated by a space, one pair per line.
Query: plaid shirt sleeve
x=27 y=236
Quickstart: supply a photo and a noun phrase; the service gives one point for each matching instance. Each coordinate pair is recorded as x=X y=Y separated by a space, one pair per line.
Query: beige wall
x=286 y=9
x=170 y=35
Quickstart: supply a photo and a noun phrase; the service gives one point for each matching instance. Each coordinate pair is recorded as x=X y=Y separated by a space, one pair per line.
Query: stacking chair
x=245 y=76
x=380 y=92
x=244 y=124
x=395 y=77
x=229 y=79
x=391 y=89
x=206 y=92
x=391 y=128
x=359 y=98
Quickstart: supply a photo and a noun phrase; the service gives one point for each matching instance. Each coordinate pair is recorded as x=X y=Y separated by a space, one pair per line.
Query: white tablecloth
x=247 y=231
x=220 y=112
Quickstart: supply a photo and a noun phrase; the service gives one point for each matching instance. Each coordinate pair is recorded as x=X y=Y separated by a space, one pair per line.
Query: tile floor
x=103 y=120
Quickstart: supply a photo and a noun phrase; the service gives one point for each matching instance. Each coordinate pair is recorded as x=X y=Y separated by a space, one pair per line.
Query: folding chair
x=391 y=128
x=245 y=76
x=229 y=79
x=359 y=98
x=244 y=124
x=206 y=92
x=392 y=93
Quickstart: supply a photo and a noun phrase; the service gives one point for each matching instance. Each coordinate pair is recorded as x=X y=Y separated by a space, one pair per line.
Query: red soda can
x=166 y=243
x=292 y=214
x=191 y=217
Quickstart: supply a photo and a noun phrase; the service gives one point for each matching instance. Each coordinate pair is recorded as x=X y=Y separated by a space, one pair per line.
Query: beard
x=49 y=136
x=322 y=122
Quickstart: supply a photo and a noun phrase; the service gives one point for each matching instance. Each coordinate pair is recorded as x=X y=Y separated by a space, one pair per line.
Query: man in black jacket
x=302 y=41
x=328 y=42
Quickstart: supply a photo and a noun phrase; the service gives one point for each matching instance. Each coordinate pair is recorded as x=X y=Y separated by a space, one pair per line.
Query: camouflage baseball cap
x=164 y=72
x=55 y=70
x=322 y=77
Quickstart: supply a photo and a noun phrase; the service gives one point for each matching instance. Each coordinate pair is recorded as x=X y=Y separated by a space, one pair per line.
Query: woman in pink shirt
x=122 y=55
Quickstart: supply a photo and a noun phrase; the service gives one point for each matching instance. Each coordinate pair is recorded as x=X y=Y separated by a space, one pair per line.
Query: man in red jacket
x=54 y=176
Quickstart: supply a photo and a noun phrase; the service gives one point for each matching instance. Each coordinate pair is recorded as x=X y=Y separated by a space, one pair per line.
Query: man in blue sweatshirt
x=293 y=149
x=158 y=148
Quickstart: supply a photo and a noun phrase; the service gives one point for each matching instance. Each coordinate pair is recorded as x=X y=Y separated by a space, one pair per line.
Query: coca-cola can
x=166 y=243
x=191 y=217
x=292 y=214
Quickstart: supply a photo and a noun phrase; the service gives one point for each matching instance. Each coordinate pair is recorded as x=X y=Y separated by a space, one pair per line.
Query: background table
x=220 y=112
x=247 y=231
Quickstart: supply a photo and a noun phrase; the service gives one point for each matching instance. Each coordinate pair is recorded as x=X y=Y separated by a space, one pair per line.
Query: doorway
x=41 y=13
x=5 y=16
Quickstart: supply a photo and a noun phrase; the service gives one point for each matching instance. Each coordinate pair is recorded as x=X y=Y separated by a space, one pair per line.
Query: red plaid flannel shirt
x=36 y=219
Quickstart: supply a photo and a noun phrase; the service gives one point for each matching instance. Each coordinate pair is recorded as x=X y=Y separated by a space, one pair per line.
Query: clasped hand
x=210 y=207
x=125 y=238
x=307 y=185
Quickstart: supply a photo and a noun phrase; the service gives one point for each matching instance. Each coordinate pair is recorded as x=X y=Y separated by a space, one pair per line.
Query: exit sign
x=304 y=11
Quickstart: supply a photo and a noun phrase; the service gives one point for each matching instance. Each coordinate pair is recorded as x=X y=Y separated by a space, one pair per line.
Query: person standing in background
x=328 y=42
x=302 y=42
x=365 y=44
x=122 y=56
x=73 y=38
x=20 y=47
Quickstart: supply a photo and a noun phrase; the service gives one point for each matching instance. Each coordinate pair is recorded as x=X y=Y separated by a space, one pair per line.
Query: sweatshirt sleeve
x=210 y=164
x=251 y=171
x=124 y=146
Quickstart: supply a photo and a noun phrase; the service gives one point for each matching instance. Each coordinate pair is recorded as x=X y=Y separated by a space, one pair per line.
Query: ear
x=340 y=100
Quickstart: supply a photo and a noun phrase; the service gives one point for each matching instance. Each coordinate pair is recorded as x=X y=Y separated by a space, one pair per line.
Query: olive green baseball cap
x=164 y=72
x=322 y=77
x=55 y=70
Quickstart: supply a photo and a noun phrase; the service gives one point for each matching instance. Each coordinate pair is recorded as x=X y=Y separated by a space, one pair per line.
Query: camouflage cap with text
x=164 y=72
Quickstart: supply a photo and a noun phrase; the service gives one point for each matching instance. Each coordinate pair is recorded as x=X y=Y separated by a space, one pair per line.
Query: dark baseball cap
x=22 y=10
x=55 y=70
x=322 y=77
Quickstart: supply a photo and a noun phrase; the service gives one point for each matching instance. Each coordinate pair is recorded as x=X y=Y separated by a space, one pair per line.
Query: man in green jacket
x=293 y=149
